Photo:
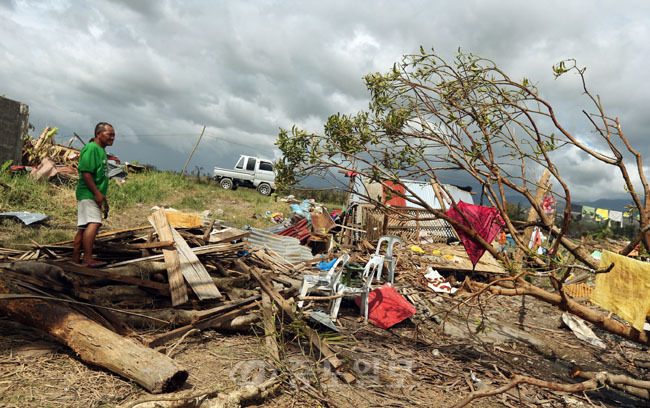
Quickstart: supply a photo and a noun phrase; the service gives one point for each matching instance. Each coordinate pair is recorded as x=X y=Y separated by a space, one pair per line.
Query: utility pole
x=193 y=150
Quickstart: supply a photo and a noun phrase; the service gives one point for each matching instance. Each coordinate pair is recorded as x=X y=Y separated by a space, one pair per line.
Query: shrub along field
x=130 y=204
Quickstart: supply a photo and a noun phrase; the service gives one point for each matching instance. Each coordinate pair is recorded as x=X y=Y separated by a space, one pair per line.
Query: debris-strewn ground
x=406 y=365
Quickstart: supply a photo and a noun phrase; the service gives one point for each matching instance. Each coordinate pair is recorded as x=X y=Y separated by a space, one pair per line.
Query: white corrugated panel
x=422 y=189
x=288 y=248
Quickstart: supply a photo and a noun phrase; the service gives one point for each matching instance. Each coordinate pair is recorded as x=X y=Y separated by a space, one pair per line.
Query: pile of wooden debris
x=176 y=281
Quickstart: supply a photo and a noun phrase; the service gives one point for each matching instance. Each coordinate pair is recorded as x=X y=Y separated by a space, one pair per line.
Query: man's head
x=104 y=134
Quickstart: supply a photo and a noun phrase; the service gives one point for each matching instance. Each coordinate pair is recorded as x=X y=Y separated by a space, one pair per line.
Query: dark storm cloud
x=160 y=70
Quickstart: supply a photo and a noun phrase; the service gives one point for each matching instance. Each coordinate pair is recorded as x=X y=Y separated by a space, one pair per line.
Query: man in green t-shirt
x=91 y=194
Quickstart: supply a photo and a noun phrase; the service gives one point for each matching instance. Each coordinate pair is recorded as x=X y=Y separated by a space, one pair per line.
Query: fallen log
x=92 y=342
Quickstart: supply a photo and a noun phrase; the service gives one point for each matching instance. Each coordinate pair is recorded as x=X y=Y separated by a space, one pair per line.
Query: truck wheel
x=226 y=184
x=264 y=189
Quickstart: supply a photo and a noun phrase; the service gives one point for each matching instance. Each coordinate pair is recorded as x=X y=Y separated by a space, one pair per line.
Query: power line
x=207 y=135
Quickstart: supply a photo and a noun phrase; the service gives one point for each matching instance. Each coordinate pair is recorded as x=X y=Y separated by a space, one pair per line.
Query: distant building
x=14 y=122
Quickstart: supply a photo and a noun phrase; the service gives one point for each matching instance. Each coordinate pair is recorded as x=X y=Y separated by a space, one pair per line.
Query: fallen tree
x=93 y=343
x=428 y=117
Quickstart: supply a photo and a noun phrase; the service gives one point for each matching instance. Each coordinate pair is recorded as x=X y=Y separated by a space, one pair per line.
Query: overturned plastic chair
x=324 y=281
x=369 y=272
x=389 y=255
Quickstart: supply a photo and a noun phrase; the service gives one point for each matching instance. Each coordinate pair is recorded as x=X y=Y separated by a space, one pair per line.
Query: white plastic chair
x=324 y=281
x=389 y=256
x=369 y=272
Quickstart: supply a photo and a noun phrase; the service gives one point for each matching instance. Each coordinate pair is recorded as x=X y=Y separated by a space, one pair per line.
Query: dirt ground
x=411 y=364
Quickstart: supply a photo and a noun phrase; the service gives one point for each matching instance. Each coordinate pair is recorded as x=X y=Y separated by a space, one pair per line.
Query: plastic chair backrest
x=390 y=240
x=335 y=272
x=369 y=272
x=373 y=263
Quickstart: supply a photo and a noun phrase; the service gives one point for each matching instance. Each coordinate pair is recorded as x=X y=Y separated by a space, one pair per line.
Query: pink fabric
x=386 y=307
x=486 y=221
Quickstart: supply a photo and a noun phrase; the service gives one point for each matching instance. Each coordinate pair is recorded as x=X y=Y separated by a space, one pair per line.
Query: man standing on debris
x=91 y=194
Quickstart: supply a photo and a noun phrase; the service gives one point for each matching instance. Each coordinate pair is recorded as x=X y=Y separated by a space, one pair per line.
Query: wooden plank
x=174 y=273
x=149 y=245
x=206 y=234
x=287 y=310
x=206 y=249
x=229 y=235
x=228 y=306
x=110 y=234
x=193 y=270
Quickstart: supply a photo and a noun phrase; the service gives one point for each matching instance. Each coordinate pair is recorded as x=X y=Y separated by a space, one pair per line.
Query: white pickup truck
x=250 y=172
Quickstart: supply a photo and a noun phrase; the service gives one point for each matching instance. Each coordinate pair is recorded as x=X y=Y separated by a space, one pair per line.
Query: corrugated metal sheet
x=422 y=189
x=288 y=248
x=26 y=217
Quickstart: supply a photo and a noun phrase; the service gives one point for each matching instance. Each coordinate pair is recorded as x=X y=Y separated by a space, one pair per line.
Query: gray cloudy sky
x=160 y=70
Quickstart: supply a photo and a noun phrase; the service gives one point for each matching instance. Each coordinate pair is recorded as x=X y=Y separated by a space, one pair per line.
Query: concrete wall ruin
x=14 y=121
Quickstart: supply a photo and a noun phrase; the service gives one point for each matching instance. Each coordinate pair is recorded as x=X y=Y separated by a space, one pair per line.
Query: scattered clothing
x=624 y=290
x=616 y=216
x=486 y=221
x=602 y=214
x=588 y=212
x=548 y=204
x=437 y=283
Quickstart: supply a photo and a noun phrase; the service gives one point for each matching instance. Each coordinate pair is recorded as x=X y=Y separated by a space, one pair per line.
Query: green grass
x=130 y=204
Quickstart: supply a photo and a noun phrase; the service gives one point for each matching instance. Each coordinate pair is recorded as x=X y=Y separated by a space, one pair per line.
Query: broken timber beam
x=193 y=270
x=93 y=343
x=175 y=276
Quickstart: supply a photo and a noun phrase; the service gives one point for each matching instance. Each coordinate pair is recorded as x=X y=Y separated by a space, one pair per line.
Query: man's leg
x=76 y=252
x=89 y=235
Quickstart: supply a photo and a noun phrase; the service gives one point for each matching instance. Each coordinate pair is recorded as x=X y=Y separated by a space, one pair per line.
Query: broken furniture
x=323 y=282
x=370 y=270
x=391 y=241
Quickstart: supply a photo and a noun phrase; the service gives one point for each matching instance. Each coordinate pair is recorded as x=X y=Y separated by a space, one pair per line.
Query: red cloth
x=486 y=221
x=386 y=307
x=392 y=193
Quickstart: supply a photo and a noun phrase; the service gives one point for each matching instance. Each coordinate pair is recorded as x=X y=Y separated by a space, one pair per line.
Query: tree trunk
x=92 y=342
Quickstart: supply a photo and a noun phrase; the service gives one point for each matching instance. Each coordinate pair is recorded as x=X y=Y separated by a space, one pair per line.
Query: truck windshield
x=240 y=163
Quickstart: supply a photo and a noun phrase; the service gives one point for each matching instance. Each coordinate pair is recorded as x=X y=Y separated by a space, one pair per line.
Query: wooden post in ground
x=542 y=188
x=93 y=343
x=195 y=146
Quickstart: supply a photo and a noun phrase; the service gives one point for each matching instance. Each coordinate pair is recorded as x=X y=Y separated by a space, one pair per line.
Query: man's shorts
x=88 y=211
